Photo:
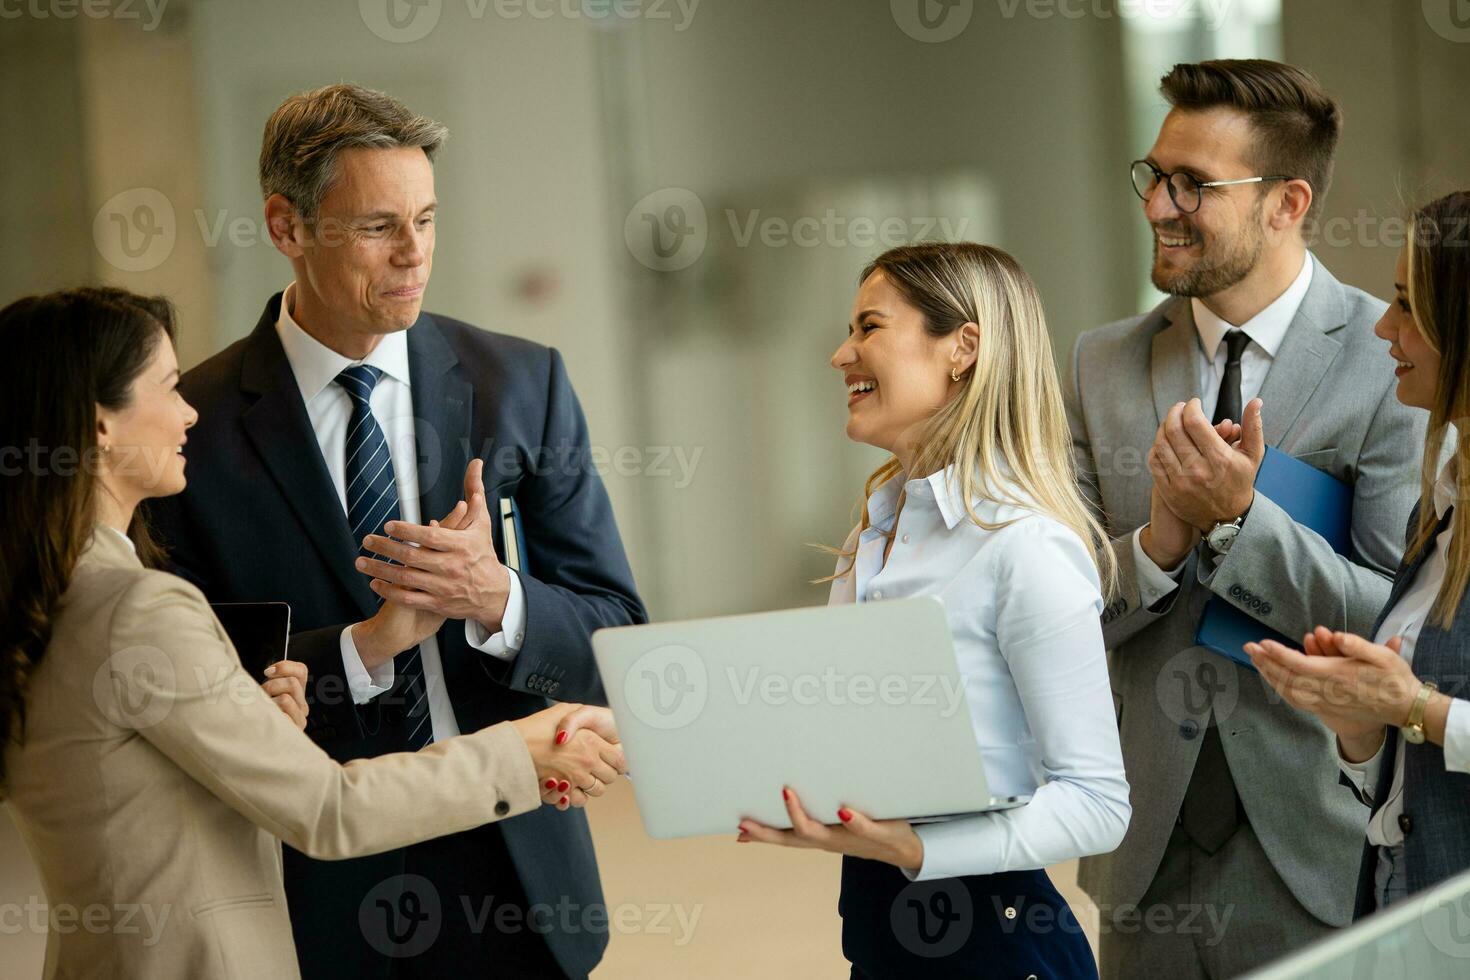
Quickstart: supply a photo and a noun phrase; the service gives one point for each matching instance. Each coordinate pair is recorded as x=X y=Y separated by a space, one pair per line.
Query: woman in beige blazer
x=151 y=777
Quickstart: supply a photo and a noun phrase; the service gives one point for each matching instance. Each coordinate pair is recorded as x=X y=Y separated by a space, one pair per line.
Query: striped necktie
x=372 y=501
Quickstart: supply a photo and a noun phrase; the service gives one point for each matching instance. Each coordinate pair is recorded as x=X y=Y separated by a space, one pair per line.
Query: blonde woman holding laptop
x=948 y=366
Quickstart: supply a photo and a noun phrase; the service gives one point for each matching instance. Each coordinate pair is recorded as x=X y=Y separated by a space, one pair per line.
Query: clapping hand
x=1355 y=687
x=1203 y=476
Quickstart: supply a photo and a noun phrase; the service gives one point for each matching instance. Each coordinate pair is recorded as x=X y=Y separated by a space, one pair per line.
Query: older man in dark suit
x=346 y=422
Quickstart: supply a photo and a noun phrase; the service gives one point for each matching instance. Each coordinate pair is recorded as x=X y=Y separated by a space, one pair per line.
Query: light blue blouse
x=1023 y=604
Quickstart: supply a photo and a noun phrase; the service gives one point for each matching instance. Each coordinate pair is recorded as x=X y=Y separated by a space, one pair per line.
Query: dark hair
x=1296 y=122
x=66 y=353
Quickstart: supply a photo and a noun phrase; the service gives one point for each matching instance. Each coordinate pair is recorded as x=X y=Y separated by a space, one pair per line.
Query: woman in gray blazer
x=1398 y=703
x=151 y=777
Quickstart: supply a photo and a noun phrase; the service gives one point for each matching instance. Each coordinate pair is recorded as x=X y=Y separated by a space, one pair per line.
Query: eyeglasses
x=1185 y=191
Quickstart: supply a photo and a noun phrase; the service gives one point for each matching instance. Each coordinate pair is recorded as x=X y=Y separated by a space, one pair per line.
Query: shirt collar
x=1267 y=328
x=1445 y=488
x=109 y=529
x=316 y=365
x=941 y=487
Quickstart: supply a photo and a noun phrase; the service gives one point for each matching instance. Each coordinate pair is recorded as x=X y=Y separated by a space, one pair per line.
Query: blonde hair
x=1439 y=298
x=1010 y=404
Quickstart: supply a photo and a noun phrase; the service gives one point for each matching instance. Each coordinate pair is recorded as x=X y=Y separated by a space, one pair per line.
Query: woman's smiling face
x=896 y=373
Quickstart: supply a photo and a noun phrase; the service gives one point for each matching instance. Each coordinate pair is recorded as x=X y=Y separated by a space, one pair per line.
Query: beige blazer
x=156 y=778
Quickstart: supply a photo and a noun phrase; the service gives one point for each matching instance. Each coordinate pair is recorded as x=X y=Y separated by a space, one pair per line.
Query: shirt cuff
x=1363 y=775
x=1153 y=582
x=507 y=643
x=1457 y=737
x=949 y=848
x=364 y=684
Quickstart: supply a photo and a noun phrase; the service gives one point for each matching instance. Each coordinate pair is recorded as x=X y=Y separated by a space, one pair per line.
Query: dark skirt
x=1012 y=924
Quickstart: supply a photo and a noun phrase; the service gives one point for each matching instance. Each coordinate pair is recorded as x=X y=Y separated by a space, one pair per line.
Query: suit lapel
x=1306 y=352
x=279 y=428
x=1173 y=363
x=443 y=403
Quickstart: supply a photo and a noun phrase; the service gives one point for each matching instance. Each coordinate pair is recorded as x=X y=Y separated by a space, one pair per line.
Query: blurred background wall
x=680 y=197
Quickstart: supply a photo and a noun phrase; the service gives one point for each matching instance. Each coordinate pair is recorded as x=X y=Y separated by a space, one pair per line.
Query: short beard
x=1213 y=274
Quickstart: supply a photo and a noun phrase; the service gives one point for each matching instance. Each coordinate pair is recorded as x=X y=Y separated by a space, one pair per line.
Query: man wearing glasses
x=1243 y=844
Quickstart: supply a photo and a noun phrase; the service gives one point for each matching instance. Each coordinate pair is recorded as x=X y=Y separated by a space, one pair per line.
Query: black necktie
x=372 y=501
x=1228 y=406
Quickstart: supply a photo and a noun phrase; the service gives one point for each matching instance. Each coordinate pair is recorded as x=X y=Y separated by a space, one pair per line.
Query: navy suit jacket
x=261 y=520
x=1436 y=800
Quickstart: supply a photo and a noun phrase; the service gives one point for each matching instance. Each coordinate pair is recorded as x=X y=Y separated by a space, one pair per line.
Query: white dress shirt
x=1023 y=604
x=1405 y=620
x=1267 y=329
x=329 y=407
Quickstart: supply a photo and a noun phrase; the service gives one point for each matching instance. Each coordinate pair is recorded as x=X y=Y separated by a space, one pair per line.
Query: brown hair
x=1296 y=122
x=1439 y=302
x=66 y=353
x=298 y=152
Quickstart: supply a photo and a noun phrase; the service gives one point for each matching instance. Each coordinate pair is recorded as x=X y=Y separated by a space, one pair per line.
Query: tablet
x=259 y=631
x=857 y=704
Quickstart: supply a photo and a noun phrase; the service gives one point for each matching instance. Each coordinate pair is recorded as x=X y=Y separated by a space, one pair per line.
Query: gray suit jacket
x=1328 y=400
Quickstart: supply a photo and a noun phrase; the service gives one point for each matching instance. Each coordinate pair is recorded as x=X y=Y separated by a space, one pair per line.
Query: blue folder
x=1310 y=497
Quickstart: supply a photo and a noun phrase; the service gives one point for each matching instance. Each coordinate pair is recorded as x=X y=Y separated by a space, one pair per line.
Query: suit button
x=1010 y=912
x=1405 y=824
x=1266 y=609
x=1189 y=728
x=501 y=808
x=554 y=686
x=1235 y=591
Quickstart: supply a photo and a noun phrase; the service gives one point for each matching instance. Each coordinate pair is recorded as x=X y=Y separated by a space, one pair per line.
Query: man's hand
x=575 y=751
x=451 y=572
x=397 y=627
x=1167 y=538
x=1201 y=477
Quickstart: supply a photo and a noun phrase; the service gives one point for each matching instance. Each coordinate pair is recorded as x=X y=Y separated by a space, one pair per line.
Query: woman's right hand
x=575 y=750
x=394 y=627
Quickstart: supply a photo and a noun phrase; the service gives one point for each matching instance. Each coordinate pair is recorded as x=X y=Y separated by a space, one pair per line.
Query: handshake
x=575 y=750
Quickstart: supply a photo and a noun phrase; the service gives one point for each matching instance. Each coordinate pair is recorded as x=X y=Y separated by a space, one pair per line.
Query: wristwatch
x=1222 y=536
x=1413 y=728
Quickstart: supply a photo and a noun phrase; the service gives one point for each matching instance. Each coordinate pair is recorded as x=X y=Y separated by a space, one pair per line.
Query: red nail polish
x=785 y=794
x=563 y=785
x=562 y=801
x=844 y=814
x=551 y=784
x=561 y=738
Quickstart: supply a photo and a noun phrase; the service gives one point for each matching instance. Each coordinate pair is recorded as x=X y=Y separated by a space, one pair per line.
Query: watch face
x=1413 y=735
x=1221 y=538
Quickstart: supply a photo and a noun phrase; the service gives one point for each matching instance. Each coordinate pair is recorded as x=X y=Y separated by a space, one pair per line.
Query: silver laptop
x=854 y=704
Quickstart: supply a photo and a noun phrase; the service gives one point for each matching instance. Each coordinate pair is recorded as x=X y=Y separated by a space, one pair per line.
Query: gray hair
x=298 y=153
